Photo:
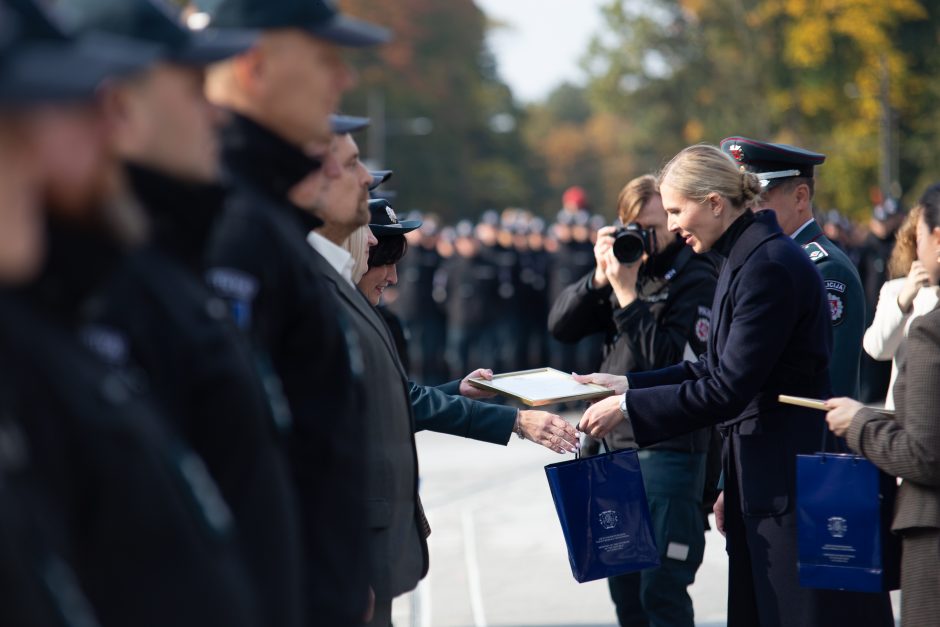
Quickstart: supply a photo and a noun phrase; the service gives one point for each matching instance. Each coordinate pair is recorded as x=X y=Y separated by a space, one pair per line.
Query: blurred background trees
x=856 y=79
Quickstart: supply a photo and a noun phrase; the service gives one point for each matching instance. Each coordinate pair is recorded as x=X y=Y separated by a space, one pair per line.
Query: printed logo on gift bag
x=609 y=519
x=838 y=527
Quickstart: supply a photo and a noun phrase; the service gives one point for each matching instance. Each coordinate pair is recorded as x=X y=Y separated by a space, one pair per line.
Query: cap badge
x=736 y=151
x=391 y=215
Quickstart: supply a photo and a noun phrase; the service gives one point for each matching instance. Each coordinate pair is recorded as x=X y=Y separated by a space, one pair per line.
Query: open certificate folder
x=543 y=386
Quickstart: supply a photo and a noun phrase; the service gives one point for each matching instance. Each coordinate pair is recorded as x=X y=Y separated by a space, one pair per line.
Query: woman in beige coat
x=908 y=444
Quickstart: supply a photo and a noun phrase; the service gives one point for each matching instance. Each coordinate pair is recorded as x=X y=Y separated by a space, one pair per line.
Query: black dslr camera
x=631 y=241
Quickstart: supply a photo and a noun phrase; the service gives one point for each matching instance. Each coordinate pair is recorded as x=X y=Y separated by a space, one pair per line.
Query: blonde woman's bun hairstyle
x=701 y=170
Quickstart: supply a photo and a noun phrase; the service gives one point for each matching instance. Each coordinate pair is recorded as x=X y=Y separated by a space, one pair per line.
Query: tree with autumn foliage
x=816 y=73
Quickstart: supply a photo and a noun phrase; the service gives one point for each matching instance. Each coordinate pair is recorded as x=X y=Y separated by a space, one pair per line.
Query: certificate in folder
x=542 y=386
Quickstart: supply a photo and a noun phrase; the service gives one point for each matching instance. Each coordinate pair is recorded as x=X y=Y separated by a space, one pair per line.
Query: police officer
x=786 y=173
x=653 y=314
x=461 y=282
x=534 y=271
x=573 y=259
x=421 y=314
x=137 y=511
x=30 y=556
x=280 y=95
x=158 y=306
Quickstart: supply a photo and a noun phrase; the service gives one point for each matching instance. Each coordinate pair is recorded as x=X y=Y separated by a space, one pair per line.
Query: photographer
x=654 y=305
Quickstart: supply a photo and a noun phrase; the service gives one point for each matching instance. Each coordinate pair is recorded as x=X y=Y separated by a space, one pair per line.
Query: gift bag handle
x=607 y=449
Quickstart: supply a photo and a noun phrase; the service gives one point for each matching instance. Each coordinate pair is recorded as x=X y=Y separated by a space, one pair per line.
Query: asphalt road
x=497 y=552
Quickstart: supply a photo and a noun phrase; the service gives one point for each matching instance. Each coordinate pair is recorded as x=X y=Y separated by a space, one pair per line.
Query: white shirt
x=800 y=230
x=337 y=256
x=889 y=328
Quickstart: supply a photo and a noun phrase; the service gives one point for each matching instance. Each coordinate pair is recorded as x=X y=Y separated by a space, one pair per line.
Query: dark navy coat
x=771 y=334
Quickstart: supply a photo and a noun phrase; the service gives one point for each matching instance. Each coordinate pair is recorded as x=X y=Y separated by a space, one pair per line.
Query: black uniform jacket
x=159 y=315
x=142 y=523
x=260 y=262
x=668 y=322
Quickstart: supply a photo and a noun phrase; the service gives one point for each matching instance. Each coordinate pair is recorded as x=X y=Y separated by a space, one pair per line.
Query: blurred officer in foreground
x=786 y=173
x=139 y=513
x=651 y=296
x=157 y=306
x=38 y=587
x=280 y=95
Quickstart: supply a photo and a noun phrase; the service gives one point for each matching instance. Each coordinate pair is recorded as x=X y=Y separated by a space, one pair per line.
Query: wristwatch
x=623 y=407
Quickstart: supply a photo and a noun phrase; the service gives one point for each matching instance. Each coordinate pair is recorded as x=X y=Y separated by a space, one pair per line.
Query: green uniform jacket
x=846 y=307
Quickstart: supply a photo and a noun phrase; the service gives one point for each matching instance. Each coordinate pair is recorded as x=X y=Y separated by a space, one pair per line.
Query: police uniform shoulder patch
x=238 y=288
x=835 y=294
x=703 y=324
x=816 y=252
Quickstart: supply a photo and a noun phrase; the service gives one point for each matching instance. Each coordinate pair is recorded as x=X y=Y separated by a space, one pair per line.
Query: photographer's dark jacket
x=667 y=323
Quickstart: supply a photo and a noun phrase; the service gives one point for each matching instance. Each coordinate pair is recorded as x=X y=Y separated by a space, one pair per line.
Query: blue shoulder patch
x=816 y=252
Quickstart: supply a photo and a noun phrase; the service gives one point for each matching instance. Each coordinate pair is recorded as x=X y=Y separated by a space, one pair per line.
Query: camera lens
x=628 y=246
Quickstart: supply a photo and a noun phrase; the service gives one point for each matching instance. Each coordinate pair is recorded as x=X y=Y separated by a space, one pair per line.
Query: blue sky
x=543 y=43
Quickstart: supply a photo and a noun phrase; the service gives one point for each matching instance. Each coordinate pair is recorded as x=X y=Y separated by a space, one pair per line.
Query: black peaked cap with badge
x=384 y=222
x=771 y=163
x=159 y=23
x=42 y=60
x=320 y=18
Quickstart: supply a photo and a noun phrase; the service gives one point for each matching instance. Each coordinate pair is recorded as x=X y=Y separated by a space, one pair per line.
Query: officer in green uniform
x=787 y=175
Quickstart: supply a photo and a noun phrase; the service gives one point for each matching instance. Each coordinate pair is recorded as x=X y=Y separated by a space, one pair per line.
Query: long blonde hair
x=905 y=248
x=701 y=170
x=357 y=245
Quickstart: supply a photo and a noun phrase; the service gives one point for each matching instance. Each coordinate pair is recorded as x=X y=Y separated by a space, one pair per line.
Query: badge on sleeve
x=835 y=293
x=703 y=324
x=236 y=287
x=816 y=252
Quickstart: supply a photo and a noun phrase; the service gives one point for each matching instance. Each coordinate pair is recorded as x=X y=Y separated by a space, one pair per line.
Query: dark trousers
x=659 y=597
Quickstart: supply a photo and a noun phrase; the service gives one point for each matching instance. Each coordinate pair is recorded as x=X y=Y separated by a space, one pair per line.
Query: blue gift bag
x=844 y=509
x=602 y=508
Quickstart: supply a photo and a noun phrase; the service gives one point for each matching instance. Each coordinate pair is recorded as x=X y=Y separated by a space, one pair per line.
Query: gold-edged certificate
x=815 y=403
x=542 y=386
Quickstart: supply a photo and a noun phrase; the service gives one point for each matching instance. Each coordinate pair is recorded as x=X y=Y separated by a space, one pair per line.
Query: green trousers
x=659 y=597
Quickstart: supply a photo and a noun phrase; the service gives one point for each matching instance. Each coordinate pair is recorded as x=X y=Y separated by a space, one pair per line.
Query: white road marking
x=473 y=568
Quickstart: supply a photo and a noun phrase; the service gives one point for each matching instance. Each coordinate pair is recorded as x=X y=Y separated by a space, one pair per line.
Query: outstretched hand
x=550 y=430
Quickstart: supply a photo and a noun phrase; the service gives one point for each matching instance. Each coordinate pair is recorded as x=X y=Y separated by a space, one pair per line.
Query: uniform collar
x=670 y=262
x=78 y=262
x=746 y=234
x=252 y=153
x=807 y=233
x=182 y=213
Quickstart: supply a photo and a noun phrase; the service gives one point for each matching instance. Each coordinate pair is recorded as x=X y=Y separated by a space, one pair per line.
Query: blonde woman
x=902 y=299
x=770 y=334
x=358 y=245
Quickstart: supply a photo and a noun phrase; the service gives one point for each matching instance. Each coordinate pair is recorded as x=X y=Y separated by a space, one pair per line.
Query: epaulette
x=816 y=252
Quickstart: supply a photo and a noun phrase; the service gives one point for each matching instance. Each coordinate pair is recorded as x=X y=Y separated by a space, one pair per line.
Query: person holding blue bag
x=770 y=335
x=907 y=445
